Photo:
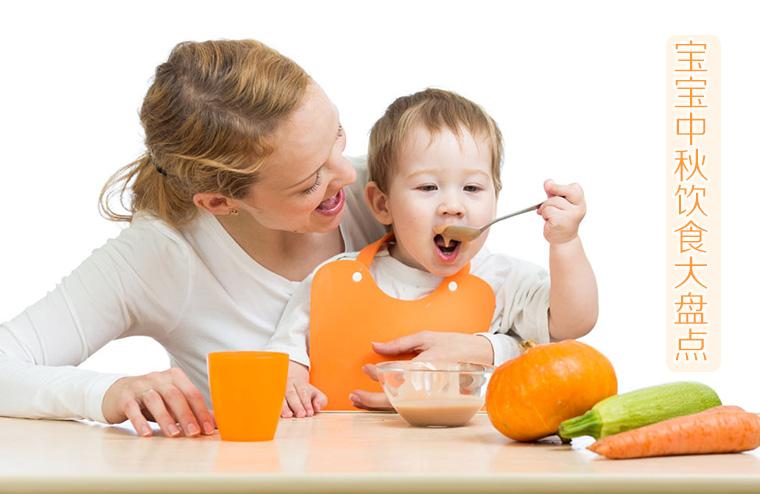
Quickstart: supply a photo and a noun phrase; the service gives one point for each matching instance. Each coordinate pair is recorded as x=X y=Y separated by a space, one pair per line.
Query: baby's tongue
x=329 y=203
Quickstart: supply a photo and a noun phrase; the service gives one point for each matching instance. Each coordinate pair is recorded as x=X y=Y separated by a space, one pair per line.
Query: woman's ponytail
x=208 y=117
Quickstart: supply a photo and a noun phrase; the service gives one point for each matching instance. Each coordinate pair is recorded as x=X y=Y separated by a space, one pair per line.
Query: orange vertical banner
x=693 y=243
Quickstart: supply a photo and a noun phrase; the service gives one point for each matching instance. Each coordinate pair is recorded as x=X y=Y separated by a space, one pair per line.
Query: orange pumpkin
x=530 y=395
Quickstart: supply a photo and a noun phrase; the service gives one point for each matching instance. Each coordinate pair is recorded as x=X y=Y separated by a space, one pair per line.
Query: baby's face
x=440 y=180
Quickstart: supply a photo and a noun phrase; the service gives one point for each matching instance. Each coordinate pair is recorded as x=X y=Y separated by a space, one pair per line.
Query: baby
x=434 y=161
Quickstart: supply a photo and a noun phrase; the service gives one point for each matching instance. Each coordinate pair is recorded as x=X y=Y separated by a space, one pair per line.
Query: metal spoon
x=467 y=233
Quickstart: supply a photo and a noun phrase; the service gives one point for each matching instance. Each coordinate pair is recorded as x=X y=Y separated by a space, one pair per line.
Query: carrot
x=722 y=429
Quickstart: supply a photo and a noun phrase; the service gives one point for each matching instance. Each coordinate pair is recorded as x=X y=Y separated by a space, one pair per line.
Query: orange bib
x=349 y=311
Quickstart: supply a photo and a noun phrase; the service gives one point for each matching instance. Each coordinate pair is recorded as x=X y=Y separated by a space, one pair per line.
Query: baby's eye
x=427 y=188
x=472 y=188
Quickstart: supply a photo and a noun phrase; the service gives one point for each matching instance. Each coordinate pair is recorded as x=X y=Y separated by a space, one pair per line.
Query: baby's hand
x=562 y=211
x=301 y=398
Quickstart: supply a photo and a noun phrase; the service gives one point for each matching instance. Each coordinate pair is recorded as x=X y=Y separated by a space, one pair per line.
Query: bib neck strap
x=368 y=253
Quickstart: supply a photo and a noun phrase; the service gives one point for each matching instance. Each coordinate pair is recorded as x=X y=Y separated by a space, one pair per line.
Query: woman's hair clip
x=159 y=169
x=155 y=164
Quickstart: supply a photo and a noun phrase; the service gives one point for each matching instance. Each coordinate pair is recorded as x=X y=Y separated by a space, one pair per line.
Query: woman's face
x=301 y=183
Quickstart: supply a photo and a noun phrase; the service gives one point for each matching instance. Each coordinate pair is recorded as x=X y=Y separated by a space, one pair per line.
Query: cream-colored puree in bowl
x=435 y=394
x=439 y=412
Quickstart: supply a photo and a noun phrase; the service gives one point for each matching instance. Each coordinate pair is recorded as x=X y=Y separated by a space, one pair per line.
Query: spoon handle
x=531 y=208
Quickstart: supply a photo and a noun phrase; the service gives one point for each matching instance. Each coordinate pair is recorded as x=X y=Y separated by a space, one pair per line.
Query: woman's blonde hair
x=208 y=118
x=435 y=110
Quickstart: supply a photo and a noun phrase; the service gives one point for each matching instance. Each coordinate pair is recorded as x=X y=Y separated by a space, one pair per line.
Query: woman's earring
x=234 y=212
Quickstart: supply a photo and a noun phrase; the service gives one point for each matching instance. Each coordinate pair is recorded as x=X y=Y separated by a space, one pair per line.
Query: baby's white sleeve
x=529 y=318
x=522 y=303
x=291 y=335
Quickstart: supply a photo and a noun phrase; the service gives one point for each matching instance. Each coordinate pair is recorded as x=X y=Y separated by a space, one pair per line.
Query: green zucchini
x=638 y=408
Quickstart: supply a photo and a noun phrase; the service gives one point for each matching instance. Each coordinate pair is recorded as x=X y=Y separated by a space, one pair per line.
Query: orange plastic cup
x=247 y=389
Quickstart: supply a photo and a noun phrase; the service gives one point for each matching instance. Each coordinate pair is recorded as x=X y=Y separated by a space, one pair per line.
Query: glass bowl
x=434 y=393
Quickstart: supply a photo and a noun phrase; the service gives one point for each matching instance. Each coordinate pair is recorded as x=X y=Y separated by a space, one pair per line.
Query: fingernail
x=192 y=429
x=146 y=431
x=353 y=397
x=173 y=430
x=208 y=428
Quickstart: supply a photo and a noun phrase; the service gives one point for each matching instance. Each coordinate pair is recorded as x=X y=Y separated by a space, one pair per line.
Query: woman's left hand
x=428 y=345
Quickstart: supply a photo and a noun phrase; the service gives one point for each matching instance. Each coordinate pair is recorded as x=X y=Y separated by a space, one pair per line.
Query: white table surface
x=342 y=452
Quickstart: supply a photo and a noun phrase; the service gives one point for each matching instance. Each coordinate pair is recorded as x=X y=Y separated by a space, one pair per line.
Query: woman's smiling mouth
x=332 y=205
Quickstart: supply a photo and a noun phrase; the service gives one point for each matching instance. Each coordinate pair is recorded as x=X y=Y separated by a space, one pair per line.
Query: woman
x=242 y=191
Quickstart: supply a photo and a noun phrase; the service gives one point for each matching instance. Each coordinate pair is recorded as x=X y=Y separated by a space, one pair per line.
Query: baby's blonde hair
x=435 y=110
x=208 y=118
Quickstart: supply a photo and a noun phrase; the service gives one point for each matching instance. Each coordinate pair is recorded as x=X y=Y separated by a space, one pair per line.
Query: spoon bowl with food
x=467 y=233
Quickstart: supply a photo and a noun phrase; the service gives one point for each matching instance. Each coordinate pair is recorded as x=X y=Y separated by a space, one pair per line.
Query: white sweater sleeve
x=505 y=347
x=135 y=284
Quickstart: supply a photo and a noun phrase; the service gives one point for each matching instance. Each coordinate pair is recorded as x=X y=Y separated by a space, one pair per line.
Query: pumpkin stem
x=526 y=344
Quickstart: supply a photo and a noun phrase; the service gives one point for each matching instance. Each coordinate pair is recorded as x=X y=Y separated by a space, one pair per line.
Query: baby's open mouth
x=447 y=253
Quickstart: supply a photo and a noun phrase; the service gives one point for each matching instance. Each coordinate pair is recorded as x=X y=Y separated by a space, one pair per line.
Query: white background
x=578 y=89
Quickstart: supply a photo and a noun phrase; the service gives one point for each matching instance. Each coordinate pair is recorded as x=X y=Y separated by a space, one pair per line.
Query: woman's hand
x=437 y=345
x=428 y=345
x=370 y=400
x=167 y=397
x=301 y=398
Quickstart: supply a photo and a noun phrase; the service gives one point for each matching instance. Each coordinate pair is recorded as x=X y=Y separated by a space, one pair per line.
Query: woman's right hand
x=167 y=397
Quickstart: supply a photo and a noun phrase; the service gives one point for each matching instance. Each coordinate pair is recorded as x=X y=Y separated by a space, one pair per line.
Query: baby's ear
x=377 y=200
